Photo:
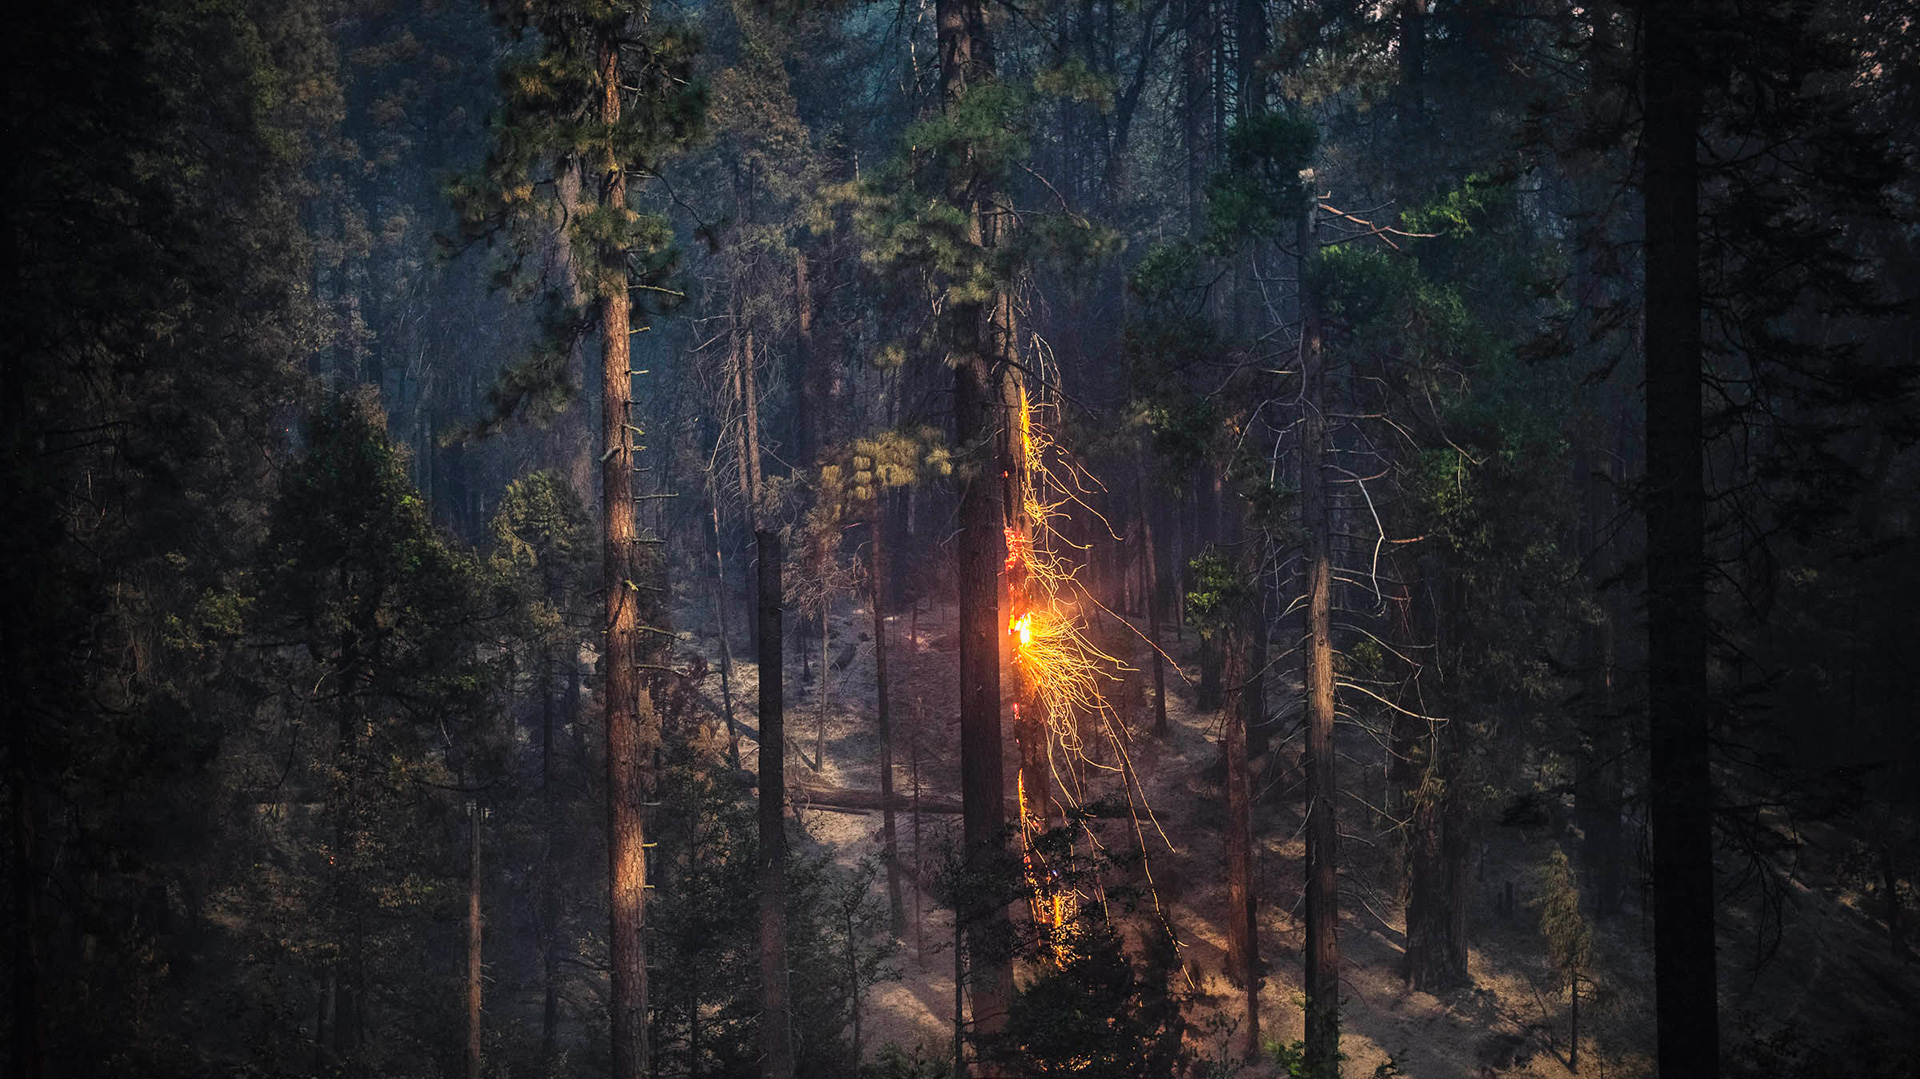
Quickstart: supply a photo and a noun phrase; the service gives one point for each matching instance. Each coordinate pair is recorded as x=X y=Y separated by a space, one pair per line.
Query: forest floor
x=1831 y=971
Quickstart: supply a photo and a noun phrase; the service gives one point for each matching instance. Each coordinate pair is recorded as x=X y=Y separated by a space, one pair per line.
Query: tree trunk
x=966 y=59
x=1034 y=799
x=1150 y=570
x=1250 y=33
x=473 y=941
x=776 y=1023
x=1436 y=955
x=889 y=836
x=629 y=709
x=720 y=618
x=1253 y=698
x=1243 y=935
x=739 y=374
x=1681 y=784
x=1322 y=898
x=826 y=687
x=1573 y=1015
x=750 y=412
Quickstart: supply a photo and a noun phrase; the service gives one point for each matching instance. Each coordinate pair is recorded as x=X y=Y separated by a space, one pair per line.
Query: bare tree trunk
x=629 y=708
x=1150 y=564
x=890 y=846
x=1034 y=798
x=473 y=941
x=720 y=616
x=1436 y=949
x=1243 y=934
x=919 y=869
x=750 y=387
x=739 y=373
x=826 y=687
x=1322 y=898
x=1250 y=30
x=1573 y=1050
x=776 y=1022
x=1686 y=987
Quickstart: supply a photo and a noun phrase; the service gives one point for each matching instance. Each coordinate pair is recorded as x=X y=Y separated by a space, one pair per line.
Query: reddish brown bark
x=629 y=708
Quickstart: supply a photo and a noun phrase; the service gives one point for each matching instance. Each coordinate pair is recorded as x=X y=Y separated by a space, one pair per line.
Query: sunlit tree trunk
x=629 y=708
x=1681 y=784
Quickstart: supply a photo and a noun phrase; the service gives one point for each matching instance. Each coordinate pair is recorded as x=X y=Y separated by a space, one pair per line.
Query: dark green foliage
x=1260 y=192
x=548 y=136
x=705 y=919
x=1097 y=1013
x=1220 y=588
x=1788 y=1050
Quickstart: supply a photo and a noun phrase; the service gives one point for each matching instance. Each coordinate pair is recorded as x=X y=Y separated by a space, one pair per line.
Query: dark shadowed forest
x=926 y=539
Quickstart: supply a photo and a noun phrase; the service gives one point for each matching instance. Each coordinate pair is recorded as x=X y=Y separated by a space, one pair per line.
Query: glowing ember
x=1023 y=628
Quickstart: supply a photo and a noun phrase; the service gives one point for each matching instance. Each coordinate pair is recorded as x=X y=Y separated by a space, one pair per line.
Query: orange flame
x=1022 y=627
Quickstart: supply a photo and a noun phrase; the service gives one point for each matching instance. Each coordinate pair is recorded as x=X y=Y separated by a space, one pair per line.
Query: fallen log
x=849 y=798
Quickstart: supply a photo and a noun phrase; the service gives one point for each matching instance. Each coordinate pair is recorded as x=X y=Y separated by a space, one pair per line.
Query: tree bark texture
x=776 y=1022
x=629 y=708
x=1322 y=890
x=1436 y=955
x=1681 y=786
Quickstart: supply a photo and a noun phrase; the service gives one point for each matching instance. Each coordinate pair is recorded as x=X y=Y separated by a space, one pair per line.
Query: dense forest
x=1265 y=537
